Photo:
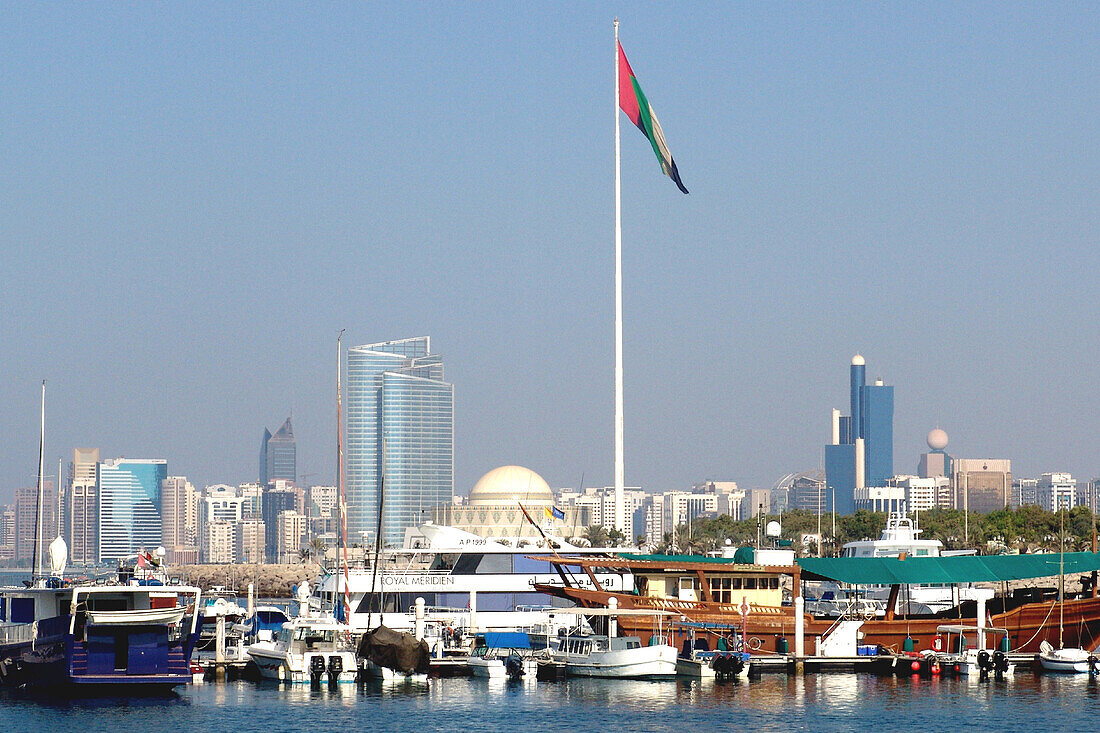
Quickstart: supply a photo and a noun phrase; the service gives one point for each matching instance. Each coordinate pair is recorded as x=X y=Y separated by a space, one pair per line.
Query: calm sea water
x=818 y=703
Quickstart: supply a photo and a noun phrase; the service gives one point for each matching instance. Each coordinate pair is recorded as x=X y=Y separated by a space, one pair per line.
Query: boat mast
x=1061 y=575
x=345 y=592
x=36 y=554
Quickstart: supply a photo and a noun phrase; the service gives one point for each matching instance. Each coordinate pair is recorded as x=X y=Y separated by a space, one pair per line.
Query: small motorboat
x=596 y=655
x=503 y=654
x=307 y=649
x=1071 y=660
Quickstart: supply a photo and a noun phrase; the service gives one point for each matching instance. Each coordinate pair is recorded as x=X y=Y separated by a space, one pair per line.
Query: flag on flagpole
x=634 y=103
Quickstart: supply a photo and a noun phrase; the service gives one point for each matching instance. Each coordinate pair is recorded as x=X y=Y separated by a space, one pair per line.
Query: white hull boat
x=1069 y=661
x=307 y=650
x=622 y=657
x=496 y=668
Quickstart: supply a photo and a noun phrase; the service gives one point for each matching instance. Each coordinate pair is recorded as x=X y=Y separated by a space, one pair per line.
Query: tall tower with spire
x=861 y=450
x=279 y=455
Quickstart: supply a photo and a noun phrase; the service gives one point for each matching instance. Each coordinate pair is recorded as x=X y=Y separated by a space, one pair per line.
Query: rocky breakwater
x=270 y=580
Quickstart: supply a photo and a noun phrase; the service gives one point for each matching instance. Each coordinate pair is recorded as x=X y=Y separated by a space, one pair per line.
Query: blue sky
x=195 y=198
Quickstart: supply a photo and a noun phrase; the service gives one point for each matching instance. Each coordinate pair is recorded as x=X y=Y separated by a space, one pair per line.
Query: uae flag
x=633 y=102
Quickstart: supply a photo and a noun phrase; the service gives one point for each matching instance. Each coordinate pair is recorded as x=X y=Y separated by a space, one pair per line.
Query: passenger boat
x=725 y=591
x=501 y=655
x=468 y=583
x=131 y=636
x=307 y=649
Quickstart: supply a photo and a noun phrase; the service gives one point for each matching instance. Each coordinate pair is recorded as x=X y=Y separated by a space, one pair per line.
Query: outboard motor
x=335 y=667
x=737 y=664
x=316 y=669
x=513 y=667
x=985 y=665
x=1000 y=663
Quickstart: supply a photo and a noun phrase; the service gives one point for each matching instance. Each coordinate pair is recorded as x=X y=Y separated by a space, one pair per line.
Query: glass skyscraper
x=862 y=450
x=400 y=424
x=279 y=455
x=129 y=506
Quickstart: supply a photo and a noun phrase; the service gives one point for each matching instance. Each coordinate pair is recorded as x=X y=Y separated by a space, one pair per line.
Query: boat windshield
x=314 y=635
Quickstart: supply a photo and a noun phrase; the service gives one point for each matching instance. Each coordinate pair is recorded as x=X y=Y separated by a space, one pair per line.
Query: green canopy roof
x=961 y=569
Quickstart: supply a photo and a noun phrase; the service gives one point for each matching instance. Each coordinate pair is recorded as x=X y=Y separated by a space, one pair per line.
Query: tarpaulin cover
x=960 y=569
x=396 y=650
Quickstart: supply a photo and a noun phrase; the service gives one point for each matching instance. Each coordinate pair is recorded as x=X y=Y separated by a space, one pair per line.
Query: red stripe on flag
x=628 y=101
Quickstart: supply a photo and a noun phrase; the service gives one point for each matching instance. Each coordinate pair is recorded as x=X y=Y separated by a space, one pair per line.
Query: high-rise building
x=219 y=541
x=7 y=533
x=263 y=456
x=279 y=455
x=275 y=501
x=129 y=506
x=249 y=546
x=400 y=429
x=1056 y=491
x=82 y=508
x=179 y=520
x=982 y=484
x=290 y=536
x=26 y=522
x=861 y=450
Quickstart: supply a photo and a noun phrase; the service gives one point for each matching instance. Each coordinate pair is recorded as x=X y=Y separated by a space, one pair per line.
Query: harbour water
x=818 y=703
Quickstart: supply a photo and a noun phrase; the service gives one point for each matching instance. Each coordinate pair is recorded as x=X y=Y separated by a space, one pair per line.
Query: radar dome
x=937 y=439
x=510 y=485
x=857 y=360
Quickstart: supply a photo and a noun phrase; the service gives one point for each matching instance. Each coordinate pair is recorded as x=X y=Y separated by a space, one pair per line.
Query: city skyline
x=907 y=182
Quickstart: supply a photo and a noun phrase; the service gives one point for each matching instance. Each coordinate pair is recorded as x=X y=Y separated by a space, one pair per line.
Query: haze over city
x=198 y=198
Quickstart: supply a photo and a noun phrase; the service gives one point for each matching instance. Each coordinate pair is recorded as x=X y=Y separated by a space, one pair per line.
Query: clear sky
x=195 y=198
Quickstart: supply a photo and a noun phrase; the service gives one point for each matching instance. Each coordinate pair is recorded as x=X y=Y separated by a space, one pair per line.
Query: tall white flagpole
x=620 y=509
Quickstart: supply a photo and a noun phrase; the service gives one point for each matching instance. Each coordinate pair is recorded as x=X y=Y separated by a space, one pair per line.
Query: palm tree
x=318 y=547
x=596 y=535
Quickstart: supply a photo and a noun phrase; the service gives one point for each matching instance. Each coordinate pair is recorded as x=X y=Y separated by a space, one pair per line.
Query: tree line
x=1026 y=529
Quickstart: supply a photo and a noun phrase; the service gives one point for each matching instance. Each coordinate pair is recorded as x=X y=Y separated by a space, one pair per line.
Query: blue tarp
x=507 y=640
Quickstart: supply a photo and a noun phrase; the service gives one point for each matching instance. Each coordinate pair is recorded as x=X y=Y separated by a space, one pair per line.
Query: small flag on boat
x=634 y=103
x=553 y=512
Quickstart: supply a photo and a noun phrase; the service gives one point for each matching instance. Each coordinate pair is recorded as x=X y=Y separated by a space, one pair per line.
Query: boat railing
x=16 y=633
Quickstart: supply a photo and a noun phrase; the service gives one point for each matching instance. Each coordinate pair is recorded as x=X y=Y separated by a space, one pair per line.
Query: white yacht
x=596 y=655
x=468 y=582
x=900 y=537
x=308 y=649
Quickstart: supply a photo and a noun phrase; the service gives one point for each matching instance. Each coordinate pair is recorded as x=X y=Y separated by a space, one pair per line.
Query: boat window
x=22 y=610
x=3 y=608
x=750 y=583
x=478 y=564
x=526 y=565
x=920 y=552
x=720 y=588
x=773 y=583
x=735 y=583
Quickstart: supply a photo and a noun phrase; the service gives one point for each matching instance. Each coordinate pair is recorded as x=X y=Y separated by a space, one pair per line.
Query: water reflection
x=773 y=702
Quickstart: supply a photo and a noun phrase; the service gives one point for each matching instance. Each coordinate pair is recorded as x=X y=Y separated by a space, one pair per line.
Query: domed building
x=493 y=507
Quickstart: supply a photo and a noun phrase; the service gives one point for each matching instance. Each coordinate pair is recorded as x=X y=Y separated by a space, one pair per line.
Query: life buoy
x=937 y=643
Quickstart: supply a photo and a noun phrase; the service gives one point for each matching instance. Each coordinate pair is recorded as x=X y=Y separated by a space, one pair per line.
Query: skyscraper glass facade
x=281 y=455
x=400 y=423
x=872 y=422
x=129 y=506
x=877 y=406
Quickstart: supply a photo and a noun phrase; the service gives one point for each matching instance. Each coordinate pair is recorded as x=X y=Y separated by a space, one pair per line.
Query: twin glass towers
x=861 y=452
x=400 y=429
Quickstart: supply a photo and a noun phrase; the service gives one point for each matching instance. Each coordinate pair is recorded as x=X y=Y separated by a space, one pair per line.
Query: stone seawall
x=271 y=581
